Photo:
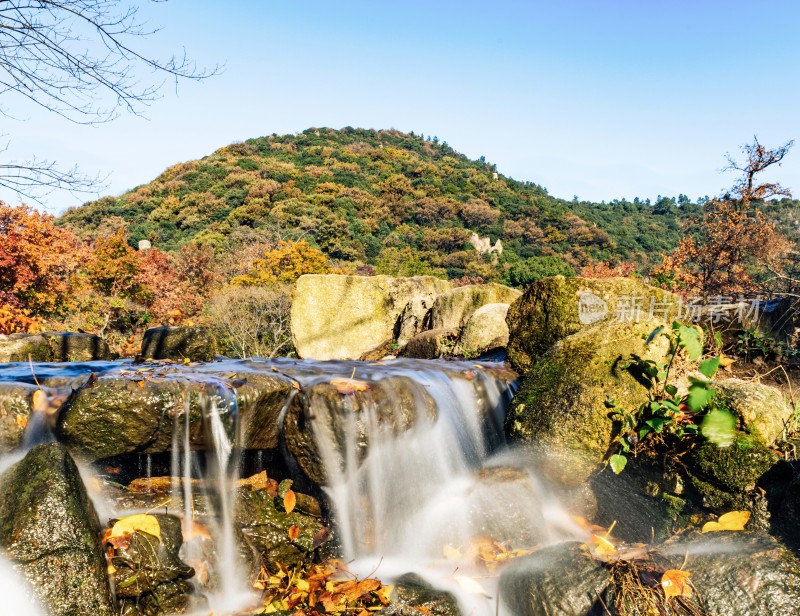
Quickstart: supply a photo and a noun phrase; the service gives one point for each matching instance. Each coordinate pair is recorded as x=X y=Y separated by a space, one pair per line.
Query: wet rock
x=561 y=580
x=486 y=329
x=179 y=343
x=431 y=344
x=149 y=561
x=562 y=402
x=342 y=317
x=743 y=573
x=413 y=596
x=136 y=412
x=15 y=409
x=726 y=477
x=169 y=598
x=762 y=410
x=556 y=307
x=266 y=525
x=53 y=347
x=454 y=308
x=49 y=529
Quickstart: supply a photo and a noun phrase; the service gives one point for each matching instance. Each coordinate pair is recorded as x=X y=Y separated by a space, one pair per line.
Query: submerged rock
x=343 y=317
x=49 y=529
x=53 y=347
x=179 y=343
x=557 y=307
x=562 y=402
x=136 y=412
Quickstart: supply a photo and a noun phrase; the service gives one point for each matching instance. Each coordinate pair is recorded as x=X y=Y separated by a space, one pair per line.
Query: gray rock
x=50 y=530
x=15 y=409
x=486 y=329
x=413 y=596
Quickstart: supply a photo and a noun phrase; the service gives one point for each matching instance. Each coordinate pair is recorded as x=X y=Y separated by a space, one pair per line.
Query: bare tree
x=253 y=321
x=82 y=60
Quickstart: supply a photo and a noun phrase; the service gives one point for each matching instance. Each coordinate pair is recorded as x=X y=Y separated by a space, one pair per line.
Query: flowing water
x=417 y=472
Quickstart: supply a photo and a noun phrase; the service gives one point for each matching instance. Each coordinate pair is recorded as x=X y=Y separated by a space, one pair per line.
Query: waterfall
x=423 y=494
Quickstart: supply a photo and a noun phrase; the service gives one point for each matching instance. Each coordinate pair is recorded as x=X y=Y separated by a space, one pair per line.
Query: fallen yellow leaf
x=294 y=532
x=733 y=520
x=143 y=522
x=22 y=421
x=675 y=583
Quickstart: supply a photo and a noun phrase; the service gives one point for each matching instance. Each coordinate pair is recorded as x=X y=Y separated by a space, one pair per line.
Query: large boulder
x=486 y=329
x=554 y=308
x=562 y=406
x=53 y=346
x=179 y=343
x=454 y=308
x=342 y=317
x=762 y=410
x=49 y=529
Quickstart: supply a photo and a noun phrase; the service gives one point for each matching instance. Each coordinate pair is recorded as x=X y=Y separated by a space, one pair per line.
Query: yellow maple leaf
x=733 y=520
x=140 y=521
x=675 y=583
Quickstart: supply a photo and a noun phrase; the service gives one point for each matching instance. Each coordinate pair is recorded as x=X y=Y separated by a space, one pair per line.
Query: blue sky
x=603 y=99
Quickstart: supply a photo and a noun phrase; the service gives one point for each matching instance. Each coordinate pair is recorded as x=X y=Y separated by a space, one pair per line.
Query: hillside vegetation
x=401 y=203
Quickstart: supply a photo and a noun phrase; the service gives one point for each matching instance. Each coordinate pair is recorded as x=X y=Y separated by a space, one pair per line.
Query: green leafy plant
x=667 y=411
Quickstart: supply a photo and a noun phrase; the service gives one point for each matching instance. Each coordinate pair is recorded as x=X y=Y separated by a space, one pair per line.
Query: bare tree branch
x=82 y=60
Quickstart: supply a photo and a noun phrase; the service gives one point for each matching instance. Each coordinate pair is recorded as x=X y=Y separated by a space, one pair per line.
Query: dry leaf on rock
x=675 y=583
x=733 y=520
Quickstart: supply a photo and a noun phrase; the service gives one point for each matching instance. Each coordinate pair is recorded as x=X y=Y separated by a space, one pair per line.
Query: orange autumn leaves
x=326 y=588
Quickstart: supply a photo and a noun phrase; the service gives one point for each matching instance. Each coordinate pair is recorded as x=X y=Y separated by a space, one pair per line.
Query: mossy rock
x=49 y=529
x=556 y=307
x=413 y=596
x=486 y=329
x=726 y=477
x=561 y=405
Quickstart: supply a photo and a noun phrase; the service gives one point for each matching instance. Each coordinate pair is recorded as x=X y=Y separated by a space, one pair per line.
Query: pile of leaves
x=315 y=589
x=642 y=584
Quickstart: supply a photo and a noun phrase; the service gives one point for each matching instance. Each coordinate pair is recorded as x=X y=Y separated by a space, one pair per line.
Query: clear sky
x=602 y=99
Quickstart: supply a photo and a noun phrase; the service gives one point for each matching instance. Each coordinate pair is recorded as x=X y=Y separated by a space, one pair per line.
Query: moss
x=726 y=477
x=548 y=311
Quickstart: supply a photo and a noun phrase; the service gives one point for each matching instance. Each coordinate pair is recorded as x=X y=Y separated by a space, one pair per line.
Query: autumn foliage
x=734 y=246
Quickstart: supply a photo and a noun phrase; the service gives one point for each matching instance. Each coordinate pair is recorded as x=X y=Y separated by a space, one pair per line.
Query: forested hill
x=403 y=203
